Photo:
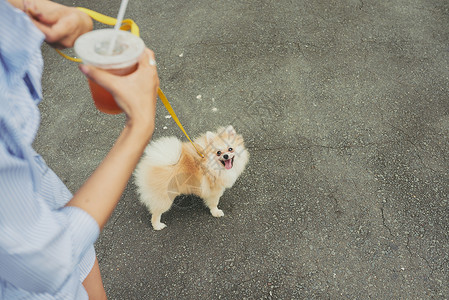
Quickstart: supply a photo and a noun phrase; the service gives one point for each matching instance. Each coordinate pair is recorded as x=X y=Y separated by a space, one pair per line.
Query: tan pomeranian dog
x=170 y=168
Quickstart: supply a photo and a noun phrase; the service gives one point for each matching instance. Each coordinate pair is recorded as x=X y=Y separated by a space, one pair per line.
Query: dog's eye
x=218 y=153
x=230 y=149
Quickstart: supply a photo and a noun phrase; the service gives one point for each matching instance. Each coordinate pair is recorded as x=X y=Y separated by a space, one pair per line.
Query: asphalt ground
x=344 y=109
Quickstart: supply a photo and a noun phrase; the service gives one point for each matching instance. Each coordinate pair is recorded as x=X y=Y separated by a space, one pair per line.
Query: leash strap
x=173 y=114
x=130 y=25
x=127 y=24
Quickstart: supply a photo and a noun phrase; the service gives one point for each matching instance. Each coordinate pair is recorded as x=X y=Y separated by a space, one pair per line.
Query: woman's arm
x=136 y=95
x=99 y=195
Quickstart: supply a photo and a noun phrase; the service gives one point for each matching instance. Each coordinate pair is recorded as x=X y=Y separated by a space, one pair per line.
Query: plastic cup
x=92 y=48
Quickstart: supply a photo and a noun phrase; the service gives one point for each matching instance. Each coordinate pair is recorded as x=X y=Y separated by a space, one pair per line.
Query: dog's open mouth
x=228 y=163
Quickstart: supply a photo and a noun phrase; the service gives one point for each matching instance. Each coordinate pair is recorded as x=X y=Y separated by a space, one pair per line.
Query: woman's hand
x=135 y=93
x=61 y=25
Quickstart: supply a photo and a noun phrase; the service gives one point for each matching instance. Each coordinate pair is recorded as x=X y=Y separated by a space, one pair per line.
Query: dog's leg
x=156 y=221
x=212 y=202
x=157 y=207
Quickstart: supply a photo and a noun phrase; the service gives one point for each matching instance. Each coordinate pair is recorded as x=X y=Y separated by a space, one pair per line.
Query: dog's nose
x=225 y=156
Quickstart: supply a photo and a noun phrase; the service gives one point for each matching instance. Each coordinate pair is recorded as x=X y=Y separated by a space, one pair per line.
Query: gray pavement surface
x=344 y=106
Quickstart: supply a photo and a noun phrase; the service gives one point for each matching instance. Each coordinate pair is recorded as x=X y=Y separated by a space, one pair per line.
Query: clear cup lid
x=93 y=47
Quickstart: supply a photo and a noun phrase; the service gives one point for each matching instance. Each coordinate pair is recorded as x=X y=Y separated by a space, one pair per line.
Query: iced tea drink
x=93 y=49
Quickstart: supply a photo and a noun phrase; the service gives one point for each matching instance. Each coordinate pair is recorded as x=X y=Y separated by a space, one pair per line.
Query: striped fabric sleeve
x=39 y=247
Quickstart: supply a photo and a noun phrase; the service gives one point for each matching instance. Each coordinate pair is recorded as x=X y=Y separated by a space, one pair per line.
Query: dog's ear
x=209 y=136
x=230 y=130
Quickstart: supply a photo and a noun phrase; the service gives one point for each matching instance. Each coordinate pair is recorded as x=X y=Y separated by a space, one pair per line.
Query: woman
x=47 y=234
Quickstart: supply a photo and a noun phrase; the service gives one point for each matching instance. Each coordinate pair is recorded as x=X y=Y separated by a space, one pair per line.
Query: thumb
x=46 y=22
x=99 y=76
x=48 y=19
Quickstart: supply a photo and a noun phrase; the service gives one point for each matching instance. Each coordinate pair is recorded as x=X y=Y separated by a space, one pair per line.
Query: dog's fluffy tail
x=164 y=151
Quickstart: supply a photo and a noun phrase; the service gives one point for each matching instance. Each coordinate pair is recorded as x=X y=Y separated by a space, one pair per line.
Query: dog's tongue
x=228 y=164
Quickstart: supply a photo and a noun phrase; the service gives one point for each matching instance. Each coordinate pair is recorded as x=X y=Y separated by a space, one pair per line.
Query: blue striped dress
x=46 y=249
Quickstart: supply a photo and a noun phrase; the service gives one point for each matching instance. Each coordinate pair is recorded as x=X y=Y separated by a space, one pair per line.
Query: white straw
x=121 y=14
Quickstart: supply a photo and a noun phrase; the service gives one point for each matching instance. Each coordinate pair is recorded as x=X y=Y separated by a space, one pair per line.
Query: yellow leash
x=129 y=24
x=172 y=113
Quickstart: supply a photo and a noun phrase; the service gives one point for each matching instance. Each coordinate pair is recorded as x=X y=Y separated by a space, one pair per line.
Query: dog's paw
x=217 y=213
x=159 y=226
